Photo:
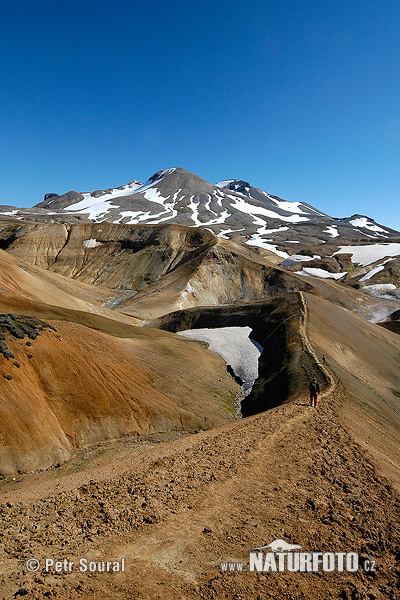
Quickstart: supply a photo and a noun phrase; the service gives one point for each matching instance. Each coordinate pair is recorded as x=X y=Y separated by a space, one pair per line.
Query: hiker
x=314 y=391
x=323 y=358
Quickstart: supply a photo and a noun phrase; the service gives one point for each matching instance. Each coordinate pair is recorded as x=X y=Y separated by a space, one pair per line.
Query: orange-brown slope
x=21 y=281
x=176 y=511
x=77 y=386
x=366 y=359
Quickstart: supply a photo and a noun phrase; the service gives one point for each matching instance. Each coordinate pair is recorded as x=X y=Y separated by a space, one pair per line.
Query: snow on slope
x=251 y=209
x=374 y=271
x=234 y=345
x=365 y=255
x=321 y=273
x=229 y=207
x=332 y=231
x=286 y=205
x=100 y=205
x=363 y=222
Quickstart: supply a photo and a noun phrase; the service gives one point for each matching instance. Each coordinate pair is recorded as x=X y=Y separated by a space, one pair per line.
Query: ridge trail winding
x=175 y=511
x=307 y=347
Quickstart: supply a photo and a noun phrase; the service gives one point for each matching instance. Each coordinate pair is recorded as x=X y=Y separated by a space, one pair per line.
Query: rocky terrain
x=121 y=439
x=321 y=478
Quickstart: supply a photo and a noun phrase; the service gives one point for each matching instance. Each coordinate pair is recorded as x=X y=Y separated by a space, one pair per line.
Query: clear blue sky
x=301 y=98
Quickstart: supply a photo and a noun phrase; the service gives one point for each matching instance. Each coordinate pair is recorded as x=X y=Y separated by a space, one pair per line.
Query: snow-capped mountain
x=230 y=209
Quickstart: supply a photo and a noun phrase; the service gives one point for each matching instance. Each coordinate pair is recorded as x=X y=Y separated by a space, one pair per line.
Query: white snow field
x=374 y=271
x=332 y=230
x=380 y=287
x=321 y=273
x=365 y=224
x=365 y=255
x=295 y=258
x=235 y=347
x=92 y=243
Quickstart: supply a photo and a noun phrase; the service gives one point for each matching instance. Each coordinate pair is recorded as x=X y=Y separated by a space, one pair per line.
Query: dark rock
x=50 y=196
x=8 y=377
x=310 y=504
x=16 y=363
x=28 y=343
x=21 y=592
x=3 y=346
x=18 y=333
x=30 y=355
x=8 y=354
x=207 y=530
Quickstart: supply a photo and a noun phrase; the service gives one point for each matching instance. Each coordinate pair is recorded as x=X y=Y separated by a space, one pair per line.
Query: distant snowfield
x=374 y=271
x=257 y=240
x=92 y=243
x=99 y=206
x=321 y=273
x=365 y=255
x=332 y=231
x=295 y=258
x=235 y=347
x=251 y=209
x=380 y=287
x=365 y=224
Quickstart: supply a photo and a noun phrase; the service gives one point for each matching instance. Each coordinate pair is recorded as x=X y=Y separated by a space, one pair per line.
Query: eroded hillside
x=157 y=269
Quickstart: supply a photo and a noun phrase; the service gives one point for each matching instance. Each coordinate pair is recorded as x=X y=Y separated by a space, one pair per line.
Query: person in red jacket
x=314 y=391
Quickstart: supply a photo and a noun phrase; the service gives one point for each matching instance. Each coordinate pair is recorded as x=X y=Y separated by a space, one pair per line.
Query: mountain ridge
x=230 y=208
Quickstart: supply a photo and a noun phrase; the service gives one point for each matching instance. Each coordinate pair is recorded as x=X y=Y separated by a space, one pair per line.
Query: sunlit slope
x=366 y=359
x=23 y=283
x=75 y=386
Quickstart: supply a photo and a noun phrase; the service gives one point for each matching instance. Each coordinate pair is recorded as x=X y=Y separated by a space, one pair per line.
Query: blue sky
x=300 y=98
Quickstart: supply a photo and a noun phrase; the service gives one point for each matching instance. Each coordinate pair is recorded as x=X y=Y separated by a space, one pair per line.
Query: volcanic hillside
x=92 y=375
x=293 y=472
x=156 y=268
x=86 y=390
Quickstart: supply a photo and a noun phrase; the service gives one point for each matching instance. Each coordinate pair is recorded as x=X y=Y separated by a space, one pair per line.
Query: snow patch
x=295 y=258
x=251 y=209
x=363 y=222
x=373 y=272
x=365 y=255
x=287 y=206
x=332 y=231
x=223 y=233
x=92 y=243
x=224 y=183
x=321 y=273
x=257 y=240
x=380 y=287
x=235 y=347
x=195 y=211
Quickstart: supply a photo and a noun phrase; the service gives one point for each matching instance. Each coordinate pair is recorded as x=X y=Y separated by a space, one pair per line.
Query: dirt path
x=175 y=511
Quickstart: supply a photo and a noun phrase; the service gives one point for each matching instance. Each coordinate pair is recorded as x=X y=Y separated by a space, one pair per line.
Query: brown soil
x=176 y=510
x=75 y=386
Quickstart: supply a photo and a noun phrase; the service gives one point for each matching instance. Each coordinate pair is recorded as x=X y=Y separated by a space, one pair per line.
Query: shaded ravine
x=287 y=363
